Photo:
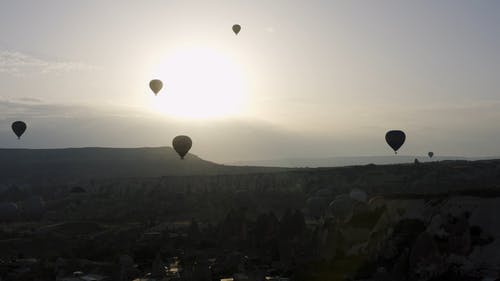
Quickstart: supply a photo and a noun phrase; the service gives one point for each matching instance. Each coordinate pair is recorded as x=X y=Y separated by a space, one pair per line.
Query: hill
x=27 y=165
x=439 y=178
x=346 y=161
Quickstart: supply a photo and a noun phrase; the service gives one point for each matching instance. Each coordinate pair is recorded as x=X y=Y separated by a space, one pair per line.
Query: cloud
x=29 y=108
x=78 y=125
x=30 y=99
x=20 y=64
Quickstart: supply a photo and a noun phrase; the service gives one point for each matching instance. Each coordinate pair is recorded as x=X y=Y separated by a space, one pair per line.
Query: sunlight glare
x=199 y=83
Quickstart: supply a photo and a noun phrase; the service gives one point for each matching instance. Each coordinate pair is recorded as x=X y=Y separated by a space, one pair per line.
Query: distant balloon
x=19 y=127
x=182 y=144
x=430 y=154
x=395 y=139
x=156 y=86
x=236 y=29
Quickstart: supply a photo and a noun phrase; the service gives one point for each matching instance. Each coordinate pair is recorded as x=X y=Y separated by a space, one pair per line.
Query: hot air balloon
x=236 y=28
x=182 y=144
x=19 y=127
x=395 y=139
x=155 y=85
x=430 y=154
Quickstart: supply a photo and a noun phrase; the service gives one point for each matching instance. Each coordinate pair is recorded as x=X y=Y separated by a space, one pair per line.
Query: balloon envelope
x=182 y=144
x=395 y=139
x=430 y=154
x=155 y=85
x=236 y=29
x=19 y=127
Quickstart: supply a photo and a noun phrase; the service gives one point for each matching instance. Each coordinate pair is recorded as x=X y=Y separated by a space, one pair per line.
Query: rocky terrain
x=421 y=221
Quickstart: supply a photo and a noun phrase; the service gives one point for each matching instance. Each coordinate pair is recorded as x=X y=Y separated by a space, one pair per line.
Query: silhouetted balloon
x=155 y=86
x=236 y=29
x=182 y=144
x=395 y=139
x=430 y=154
x=19 y=127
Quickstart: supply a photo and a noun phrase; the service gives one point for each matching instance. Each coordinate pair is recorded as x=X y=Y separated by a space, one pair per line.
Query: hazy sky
x=302 y=79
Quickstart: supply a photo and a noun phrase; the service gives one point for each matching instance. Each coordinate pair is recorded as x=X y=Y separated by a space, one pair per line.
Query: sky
x=301 y=79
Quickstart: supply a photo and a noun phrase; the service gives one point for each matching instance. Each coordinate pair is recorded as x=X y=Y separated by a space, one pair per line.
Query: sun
x=199 y=83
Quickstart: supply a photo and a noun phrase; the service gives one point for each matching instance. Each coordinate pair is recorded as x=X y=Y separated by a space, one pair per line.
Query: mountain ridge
x=62 y=164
